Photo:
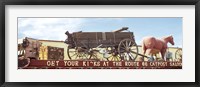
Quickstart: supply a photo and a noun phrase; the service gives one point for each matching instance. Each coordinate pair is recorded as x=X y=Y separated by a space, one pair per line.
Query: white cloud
x=48 y=28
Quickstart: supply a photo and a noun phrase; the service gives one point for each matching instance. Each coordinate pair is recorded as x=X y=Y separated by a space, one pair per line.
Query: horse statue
x=152 y=45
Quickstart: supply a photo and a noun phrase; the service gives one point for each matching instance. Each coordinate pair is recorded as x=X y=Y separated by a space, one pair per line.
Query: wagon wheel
x=78 y=53
x=21 y=50
x=23 y=62
x=114 y=57
x=104 y=54
x=178 y=54
x=128 y=50
x=94 y=55
x=113 y=54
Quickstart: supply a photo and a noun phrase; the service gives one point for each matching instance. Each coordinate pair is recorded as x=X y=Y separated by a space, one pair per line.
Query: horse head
x=171 y=39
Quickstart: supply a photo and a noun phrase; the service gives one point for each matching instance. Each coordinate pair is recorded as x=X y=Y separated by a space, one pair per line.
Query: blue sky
x=54 y=28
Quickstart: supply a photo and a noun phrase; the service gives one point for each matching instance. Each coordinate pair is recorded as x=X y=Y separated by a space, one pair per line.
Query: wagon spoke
x=73 y=54
x=133 y=55
x=129 y=44
x=133 y=48
x=95 y=56
x=112 y=58
x=122 y=48
x=130 y=56
x=79 y=55
x=85 y=56
x=122 y=51
x=127 y=56
x=126 y=44
x=82 y=56
x=76 y=56
x=123 y=44
x=117 y=58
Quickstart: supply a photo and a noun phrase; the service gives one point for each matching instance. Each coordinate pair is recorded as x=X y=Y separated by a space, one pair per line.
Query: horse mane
x=166 y=37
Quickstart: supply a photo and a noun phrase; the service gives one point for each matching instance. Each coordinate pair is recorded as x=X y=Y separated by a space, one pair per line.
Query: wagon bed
x=94 y=39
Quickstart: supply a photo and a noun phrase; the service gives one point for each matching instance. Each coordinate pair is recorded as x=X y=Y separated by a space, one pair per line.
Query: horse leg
x=155 y=57
x=163 y=55
x=144 y=49
x=160 y=53
x=150 y=54
x=152 y=57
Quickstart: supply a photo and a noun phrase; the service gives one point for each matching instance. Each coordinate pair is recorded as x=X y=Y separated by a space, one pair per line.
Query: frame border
x=98 y=2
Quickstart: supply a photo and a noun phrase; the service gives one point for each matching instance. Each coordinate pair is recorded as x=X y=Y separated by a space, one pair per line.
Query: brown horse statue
x=152 y=45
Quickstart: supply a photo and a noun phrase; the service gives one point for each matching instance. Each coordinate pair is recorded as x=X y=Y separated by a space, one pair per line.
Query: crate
x=43 y=53
x=51 y=53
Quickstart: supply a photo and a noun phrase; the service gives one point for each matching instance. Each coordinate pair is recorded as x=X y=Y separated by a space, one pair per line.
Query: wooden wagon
x=112 y=46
